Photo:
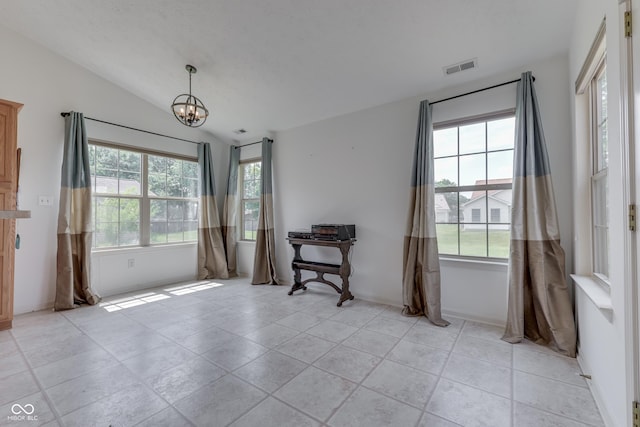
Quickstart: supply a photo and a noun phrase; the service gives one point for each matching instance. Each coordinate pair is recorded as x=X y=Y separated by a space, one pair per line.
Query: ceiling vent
x=240 y=131
x=469 y=64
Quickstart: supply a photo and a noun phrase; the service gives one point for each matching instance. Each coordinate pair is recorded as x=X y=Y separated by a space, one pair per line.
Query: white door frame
x=630 y=134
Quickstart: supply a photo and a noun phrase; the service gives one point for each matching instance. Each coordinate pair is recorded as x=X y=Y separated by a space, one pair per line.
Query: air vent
x=240 y=131
x=469 y=64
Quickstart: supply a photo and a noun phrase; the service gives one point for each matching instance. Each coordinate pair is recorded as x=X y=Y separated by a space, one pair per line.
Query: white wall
x=48 y=84
x=601 y=340
x=356 y=169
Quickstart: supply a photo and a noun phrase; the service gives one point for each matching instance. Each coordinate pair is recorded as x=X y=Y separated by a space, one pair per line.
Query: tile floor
x=228 y=353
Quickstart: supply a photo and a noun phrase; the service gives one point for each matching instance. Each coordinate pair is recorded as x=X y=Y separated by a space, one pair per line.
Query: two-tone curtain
x=264 y=264
x=421 y=264
x=212 y=260
x=73 y=261
x=230 y=211
x=539 y=302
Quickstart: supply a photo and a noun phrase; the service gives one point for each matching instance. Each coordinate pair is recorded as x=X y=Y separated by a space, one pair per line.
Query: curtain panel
x=73 y=260
x=230 y=211
x=264 y=264
x=421 y=265
x=539 y=303
x=212 y=260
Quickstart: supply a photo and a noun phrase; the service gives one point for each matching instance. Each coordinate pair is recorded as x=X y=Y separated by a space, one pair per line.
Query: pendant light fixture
x=188 y=109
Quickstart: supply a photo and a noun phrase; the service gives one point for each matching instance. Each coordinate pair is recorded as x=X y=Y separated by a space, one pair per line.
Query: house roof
x=441 y=202
x=480 y=193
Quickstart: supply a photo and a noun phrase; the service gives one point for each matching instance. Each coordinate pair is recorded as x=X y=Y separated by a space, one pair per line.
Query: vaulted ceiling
x=269 y=65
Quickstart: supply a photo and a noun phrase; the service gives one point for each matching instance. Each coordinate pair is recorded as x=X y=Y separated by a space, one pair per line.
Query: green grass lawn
x=472 y=242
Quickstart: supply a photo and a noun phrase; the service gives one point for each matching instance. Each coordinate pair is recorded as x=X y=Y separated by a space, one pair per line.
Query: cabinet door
x=8 y=143
x=8 y=146
x=7 y=231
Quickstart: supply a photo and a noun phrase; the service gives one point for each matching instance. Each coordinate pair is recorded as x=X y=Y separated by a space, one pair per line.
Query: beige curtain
x=73 y=263
x=539 y=302
x=212 y=260
x=230 y=211
x=421 y=265
x=264 y=264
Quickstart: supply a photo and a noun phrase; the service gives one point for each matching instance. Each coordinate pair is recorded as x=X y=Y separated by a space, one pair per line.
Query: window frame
x=487 y=187
x=144 y=218
x=598 y=175
x=242 y=200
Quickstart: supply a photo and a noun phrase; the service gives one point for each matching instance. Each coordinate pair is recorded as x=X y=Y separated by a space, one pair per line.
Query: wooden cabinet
x=8 y=187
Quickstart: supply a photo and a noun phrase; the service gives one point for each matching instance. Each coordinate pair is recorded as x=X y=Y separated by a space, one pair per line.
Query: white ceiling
x=269 y=65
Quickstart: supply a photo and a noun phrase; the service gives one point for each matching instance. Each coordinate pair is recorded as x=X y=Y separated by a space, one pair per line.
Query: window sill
x=246 y=242
x=598 y=295
x=476 y=261
x=151 y=248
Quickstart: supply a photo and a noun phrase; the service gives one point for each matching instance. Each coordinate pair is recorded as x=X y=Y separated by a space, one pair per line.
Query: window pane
x=602 y=148
x=250 y=219
x=190 y=169
x=174 y=178
x=175 y=210
x=499 y=240
x=190 y=230
x=157 y=184
x=157 y=164
x=106 y=162
x=473 y=169
x=445 y=172
x=600 y=225
x=190 y=187
x=106 y=234
x=500 y=165
x=464 y=212
x=447 y=238
x=445 y=142
x=473 y=240
x=129 y=183
x=158 y=231
x=191 y=211
x=446 y=207
x=175 y=232
x=501 y=134
x=129 y=222
x=472 y=138
x=130 y=161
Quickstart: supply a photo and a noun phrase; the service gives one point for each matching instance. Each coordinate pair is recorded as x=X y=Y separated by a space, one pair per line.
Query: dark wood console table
x=321 y=268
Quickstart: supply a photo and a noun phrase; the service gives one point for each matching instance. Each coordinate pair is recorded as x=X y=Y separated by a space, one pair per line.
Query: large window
x=142 y=198
x=473 y=168
x=250 y=198
x=599 y=182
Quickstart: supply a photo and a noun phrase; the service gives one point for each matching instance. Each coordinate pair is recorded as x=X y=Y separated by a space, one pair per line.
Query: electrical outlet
x=45 y=200
x=131 y=262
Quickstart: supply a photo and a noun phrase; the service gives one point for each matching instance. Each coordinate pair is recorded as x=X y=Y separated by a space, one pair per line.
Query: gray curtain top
x=75 y=163
x=424 y=148
x=530 y=153
x=266 y=171
x=207 y=180
x=234 y=161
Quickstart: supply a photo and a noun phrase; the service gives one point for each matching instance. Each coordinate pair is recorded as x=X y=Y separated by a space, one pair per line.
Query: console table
x=321 y=268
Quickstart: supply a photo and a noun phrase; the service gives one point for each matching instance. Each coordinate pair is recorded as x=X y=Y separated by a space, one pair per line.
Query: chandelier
x=188 y=109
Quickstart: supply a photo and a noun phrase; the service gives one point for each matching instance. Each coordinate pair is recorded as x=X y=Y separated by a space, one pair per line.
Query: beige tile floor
x=228 y=353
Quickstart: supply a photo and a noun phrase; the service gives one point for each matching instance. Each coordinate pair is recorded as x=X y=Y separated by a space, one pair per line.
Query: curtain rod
x=477 y=90
x=136 y=129
x=252 y=143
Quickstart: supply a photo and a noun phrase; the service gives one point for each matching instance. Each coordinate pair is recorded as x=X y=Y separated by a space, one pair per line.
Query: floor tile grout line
x=444 y=366
x=46 y=396
x=555 y=414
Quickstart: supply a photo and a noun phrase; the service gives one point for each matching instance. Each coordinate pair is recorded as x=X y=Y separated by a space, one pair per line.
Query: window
x=599 y=181
x=495 y=214
x=142 y=198
x=473 y=169
x=475 y=215
x=250 y=200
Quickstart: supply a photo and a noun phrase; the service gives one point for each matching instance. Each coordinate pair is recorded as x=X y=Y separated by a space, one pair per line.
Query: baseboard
x=479 y=319
x=595 y=392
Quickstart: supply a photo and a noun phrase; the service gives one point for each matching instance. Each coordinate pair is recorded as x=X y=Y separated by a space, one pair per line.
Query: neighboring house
x=497 y=203
x=442 y=208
